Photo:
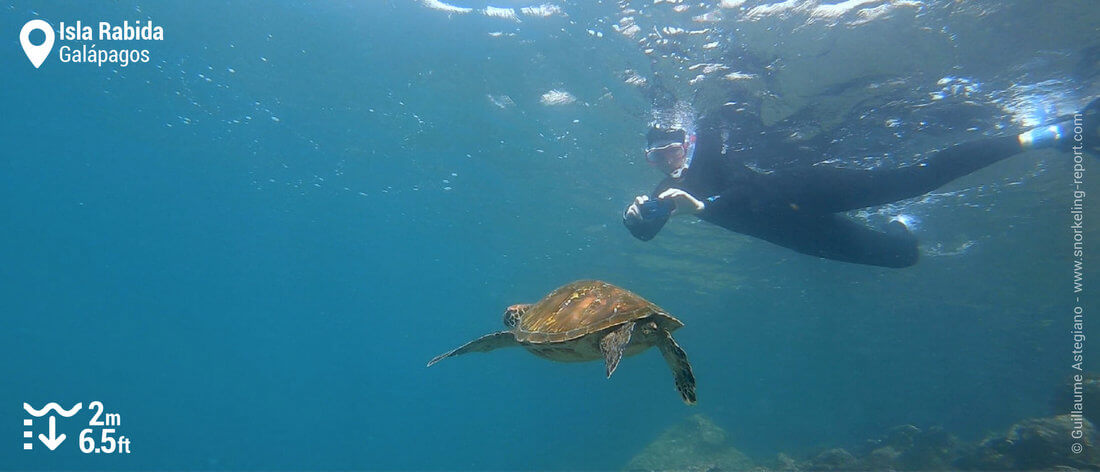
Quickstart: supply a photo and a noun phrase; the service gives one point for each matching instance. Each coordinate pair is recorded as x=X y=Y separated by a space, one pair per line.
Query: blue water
x=250 y=246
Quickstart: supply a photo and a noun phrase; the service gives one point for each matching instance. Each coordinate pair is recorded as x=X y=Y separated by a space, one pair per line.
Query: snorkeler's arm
x=685 y=203
x=740 y=192
x=728 y=201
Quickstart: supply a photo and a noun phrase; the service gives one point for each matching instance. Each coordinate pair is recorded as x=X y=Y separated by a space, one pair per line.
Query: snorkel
x=689 y=152
x=676 y=120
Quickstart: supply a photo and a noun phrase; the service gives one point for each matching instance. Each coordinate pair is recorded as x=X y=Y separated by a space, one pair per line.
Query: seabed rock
x=696 y=445
x=1037 y=444
x=834 y=459
x=902 y=448
x=1088 y=387
x=909 y=448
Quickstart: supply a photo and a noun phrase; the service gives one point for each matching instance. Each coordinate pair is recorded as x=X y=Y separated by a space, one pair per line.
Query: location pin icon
x=37 y=54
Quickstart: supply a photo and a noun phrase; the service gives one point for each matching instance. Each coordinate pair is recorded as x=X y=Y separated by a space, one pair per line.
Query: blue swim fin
x=1079 y=131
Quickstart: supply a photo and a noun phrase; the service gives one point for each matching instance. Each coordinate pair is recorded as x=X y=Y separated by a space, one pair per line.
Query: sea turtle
x=588 y=320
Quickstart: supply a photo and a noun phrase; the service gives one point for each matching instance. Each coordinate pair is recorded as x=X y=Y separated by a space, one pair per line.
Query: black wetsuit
x=798 y=208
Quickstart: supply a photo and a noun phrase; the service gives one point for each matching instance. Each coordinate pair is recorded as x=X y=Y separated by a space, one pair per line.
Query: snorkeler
x=800 y=208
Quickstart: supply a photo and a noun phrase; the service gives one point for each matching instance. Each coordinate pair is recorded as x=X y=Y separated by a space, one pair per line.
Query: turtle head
x=513 y=314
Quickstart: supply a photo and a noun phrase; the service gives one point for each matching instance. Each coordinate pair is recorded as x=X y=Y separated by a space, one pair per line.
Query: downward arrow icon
x=53 y=441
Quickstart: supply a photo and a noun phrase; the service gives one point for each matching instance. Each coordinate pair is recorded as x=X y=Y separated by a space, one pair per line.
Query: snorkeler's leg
x=957 y=161
x=826 y=189
x=1079 y=132
x=842 y=239
x=823 y=189
x=838 y=238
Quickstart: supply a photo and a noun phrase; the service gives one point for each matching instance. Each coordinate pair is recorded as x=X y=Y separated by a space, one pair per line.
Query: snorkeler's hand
x=686 y=204
x=633 y=212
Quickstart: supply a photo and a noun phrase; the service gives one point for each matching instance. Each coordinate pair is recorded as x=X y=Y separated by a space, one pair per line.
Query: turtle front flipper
x=483 y=344
x=613 y=344
x=678 y=361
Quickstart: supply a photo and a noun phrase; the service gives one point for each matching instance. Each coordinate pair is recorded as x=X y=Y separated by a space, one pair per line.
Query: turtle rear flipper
x=613 y=344
x=483 y=344
x=681 y=369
